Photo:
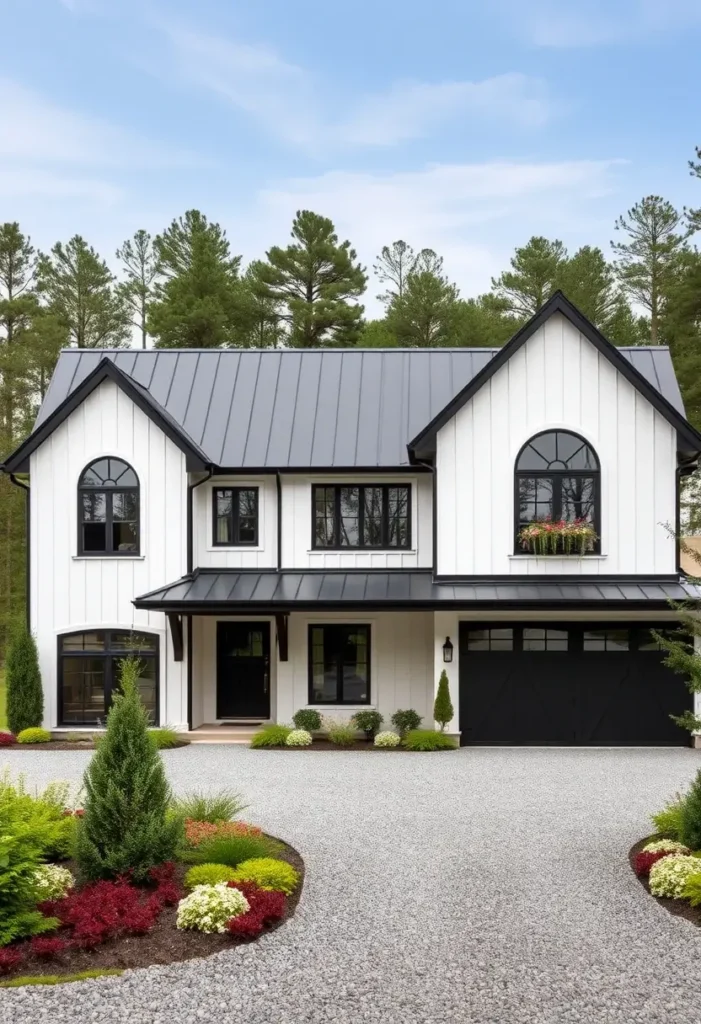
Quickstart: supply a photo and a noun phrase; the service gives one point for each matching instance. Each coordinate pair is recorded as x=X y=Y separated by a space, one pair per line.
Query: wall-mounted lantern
x=447 y=650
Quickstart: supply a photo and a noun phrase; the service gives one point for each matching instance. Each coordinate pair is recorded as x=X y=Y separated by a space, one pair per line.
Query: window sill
x=233 y=547
x=569 y=558
x=342 y=707
x=106 y=558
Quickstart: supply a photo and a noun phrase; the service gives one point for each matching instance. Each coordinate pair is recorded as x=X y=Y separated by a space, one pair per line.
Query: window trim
x=107 y=654
x=553 y=474
x=378 y=548
x=235 y=489
x=108 y=492
x=311 y=700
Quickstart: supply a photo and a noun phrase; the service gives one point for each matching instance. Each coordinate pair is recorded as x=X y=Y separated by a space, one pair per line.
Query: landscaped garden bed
x=134 y=877
x=165 y=739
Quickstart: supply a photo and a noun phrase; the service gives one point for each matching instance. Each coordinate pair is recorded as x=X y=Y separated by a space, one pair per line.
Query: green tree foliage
x=484 y=322
x=443 y=710
x=20 y=855
x=690 y=832
x=376 y=334
x=313 y=284
x=648 y=259
x=79 y=290
x=394 y=264
x=263 y=327
x=427 y=313
x=199 y=302
x=125 y=826
x=25 y=696
x=140 y=268
x=534 y=276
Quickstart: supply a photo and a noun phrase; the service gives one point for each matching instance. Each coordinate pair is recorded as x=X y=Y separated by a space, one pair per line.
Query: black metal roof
x=216 y=591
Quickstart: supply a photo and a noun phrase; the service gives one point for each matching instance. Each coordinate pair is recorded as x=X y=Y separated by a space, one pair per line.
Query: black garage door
x=567 y=684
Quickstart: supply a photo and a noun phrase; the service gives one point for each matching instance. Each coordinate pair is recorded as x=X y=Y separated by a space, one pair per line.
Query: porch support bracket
x=281 y=626
x=176 y=634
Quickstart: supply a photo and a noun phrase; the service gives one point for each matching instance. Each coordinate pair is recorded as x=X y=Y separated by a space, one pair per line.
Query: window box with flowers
x=562 y=537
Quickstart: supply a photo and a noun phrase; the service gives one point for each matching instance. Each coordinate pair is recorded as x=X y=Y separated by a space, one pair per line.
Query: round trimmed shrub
x=387 y=739
x=209 y=908
x=34 y=735
x=270 y=873
x=369 y=722
x=208 y=874
x=666 y=846
x=307 y=718
x=299 y=738
x=52 y=881
x=428 y=739
x=668 y=877
x=405 y=721
x=7 y=739
x=271 y=736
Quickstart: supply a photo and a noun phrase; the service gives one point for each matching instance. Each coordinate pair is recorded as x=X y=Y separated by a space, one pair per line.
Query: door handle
x=265 y=682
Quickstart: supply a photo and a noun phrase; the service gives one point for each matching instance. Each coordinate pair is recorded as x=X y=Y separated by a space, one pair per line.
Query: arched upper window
x=557 y=495
x=108 y=509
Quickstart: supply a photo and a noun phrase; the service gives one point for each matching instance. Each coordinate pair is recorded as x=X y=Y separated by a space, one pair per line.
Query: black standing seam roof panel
x=280 y=429
x=302 y=436
x=181 y=386
x=255 y=451
x=220 y=401
x=324 y=440
x=239 y=425
x=198 y=407
x=347 y=411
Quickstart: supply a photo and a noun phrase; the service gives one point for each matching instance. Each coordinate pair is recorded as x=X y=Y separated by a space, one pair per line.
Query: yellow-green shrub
x=268 y=873
x=208 y=874
x=34 y=735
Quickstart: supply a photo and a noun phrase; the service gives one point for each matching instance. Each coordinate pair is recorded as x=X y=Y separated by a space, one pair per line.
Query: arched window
x=108 y=509
x=557 y=483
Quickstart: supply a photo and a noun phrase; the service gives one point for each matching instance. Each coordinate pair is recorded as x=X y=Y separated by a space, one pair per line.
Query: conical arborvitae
x=690 y=833
x=25 y=697
x=443 y=706
x=125 y=827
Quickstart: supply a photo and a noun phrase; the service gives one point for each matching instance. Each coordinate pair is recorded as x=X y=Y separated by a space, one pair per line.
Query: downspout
x=28 y=550
x=189 y=567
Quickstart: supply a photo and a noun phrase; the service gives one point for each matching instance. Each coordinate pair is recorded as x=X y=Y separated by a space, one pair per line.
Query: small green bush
x=42 y=813
x=34 y=735
x=231 y=850
x=208 y=908
x=428 y=739
x=308 y=719
x=341 y=734
x=690 y=832
x=299 y=738
x=668 y=877
x=443 y=706
x=269 y=873
x=223 y=805
x=62 y=979
x=368 y=722
x=692 y=889
x=404 y=721
x=668 y=821
x=166 y=739
x=208 y=874
x=271 y=736
x=21 y=852
x=24 y=694
x=387 y=739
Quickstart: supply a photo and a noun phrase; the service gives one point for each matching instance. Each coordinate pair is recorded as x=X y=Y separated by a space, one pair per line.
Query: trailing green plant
x=208 y=874
x=35 y=734
x=308 y=719
x=428 y=739
x=564 y=537
x=21 y=852
x=369 y=722
x=668 y=821
x=126 y=827
x=62 y=979
x=341 y=734
x=443 y=710
x=690 y=831
x=222 y=805
x=24 y=693
x=269 y=873
x=403 y=721
x=166 y=738
x=271 y=736
x=232 y=850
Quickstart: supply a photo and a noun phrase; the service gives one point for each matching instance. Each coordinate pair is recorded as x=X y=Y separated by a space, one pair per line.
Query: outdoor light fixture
x=447 y=650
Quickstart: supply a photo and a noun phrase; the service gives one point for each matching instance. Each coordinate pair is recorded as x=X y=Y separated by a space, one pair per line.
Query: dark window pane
x=94 y=537
x=122 y=474
x=578 y=498
x=324 y=515
x=146 y=683
x=125 y=506
x=83 y=642
x=83 y=690
x=557 y=450
x=535 y=499
x=247 y=531
x=247 y=503
x=144 y=642
x=398 y=499
x=372 y=510
x=501 y=639
x=224 y=517
x=350 y=498
x=606 y=640
x=96 y=474
x=534 y=639
x=124 y=537
x=94 y=504
x=339 y=664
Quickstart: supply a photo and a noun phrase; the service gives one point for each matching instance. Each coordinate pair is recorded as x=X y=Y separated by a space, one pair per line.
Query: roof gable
x=423 y=445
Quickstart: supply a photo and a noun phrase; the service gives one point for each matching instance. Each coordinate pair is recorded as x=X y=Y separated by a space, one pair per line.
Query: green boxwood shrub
x=24 y=695
x=21 y=853
x=208 y=874
x=35 y=734
x=369 y=722
x=308 y=719
x=271 y=736
x=428 y=739
x=404 y=721
x=342 y=734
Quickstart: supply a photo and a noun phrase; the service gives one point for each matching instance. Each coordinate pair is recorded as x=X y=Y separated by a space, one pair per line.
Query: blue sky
x=454 y=124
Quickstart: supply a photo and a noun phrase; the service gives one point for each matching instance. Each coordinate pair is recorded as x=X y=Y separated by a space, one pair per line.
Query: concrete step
x=220 y=734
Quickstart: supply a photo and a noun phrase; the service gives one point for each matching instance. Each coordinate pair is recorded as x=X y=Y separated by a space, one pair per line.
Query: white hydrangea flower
x=52 y=881
x=209 y=907
x=387 y=739
x=299 y=738
x=659 y=845
x=669 y=875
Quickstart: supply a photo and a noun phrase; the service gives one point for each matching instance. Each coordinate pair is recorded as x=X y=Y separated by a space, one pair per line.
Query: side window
x=108 y=509
x=235 y=516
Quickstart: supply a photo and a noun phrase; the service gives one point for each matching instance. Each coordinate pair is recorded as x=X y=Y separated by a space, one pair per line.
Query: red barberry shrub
x=9 y=959
x=646 y=858
x=46 y=947
x=167 y=892
x=7 y=739
x=102 y=910
x=266 y=907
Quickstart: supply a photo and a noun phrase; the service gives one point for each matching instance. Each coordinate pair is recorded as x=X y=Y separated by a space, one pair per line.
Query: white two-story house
x=279 y=529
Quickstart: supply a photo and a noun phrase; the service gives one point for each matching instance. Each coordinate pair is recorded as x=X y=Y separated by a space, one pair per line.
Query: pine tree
x=139 y=262
x=534 y=275
x=443 y=710
x=690 y=833
x=25 y=696
x=312 y=283
x=484 y=322
x=427 y=313
x=394 y=264
x=80 y=292
x=125 y=826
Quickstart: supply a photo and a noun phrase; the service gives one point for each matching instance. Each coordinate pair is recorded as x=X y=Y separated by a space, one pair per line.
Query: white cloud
x=576 y=23
x=26 y=182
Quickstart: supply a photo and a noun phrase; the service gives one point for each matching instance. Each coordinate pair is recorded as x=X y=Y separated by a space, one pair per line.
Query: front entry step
x=220 y=734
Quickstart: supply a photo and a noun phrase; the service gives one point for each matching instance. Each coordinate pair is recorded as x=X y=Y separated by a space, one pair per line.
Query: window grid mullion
x=361 y=516
x=235 y=515
x=385 y=516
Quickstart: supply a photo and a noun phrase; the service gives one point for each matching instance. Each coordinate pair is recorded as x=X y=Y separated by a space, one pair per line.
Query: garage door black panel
x=619 y=695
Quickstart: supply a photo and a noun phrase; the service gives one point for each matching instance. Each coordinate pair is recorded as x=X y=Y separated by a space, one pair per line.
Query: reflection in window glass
x=89 y=665
x=535 y=639
x=606 y=640
x=339 y=664
x=499 y=639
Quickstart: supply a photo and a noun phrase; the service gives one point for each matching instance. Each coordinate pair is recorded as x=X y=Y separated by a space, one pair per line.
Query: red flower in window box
x=564 y=537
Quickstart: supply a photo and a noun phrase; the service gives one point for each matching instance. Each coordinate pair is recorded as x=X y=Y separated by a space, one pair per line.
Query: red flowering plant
x=646 y=858
x=558 y=537
x=7 y=739
x=265 y=907
x=198 y=832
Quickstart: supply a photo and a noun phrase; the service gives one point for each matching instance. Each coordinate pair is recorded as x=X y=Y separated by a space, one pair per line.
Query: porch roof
x=213 y=591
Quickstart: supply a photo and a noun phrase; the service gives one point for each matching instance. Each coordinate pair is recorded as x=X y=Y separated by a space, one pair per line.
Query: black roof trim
x=106 y=370
x=423 y=445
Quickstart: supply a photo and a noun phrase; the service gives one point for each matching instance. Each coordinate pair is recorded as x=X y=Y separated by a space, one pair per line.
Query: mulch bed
x=680 y=908
x=64 y=745
x=360 y=745
x=164 y=944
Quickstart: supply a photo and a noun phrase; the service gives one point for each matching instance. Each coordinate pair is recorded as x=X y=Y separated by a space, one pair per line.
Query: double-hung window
x=235 y=516
x=362 y=516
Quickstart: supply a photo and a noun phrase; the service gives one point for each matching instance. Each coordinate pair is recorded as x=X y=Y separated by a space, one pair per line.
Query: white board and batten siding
x=557 y=380
x=262 y=555
x=70 y=593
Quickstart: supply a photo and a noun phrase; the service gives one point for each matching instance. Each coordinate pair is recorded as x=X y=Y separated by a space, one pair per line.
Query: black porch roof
x=212 y=591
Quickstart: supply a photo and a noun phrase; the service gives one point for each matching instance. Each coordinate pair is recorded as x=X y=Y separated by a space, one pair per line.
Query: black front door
x=243 y=670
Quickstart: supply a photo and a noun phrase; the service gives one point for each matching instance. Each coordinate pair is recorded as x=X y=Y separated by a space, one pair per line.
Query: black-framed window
x=493 y=639
x=361 y=516
x=606 y=640
x=537 y=639
x=88 y=673
x=339 y=664
x=108 y=509
x=557 y=478
x=235 y=514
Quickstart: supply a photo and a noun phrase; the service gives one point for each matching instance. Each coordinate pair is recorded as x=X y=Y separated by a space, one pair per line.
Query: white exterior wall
x=71 y=593
x=260 y=556
x=557 y=380
x=297 y=525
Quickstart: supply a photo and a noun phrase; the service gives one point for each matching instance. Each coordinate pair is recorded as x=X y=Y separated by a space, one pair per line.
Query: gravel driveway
x=487 y=886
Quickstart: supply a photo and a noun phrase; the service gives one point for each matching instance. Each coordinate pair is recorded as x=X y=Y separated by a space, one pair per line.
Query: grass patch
x=61 y=979
x=3 y=714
